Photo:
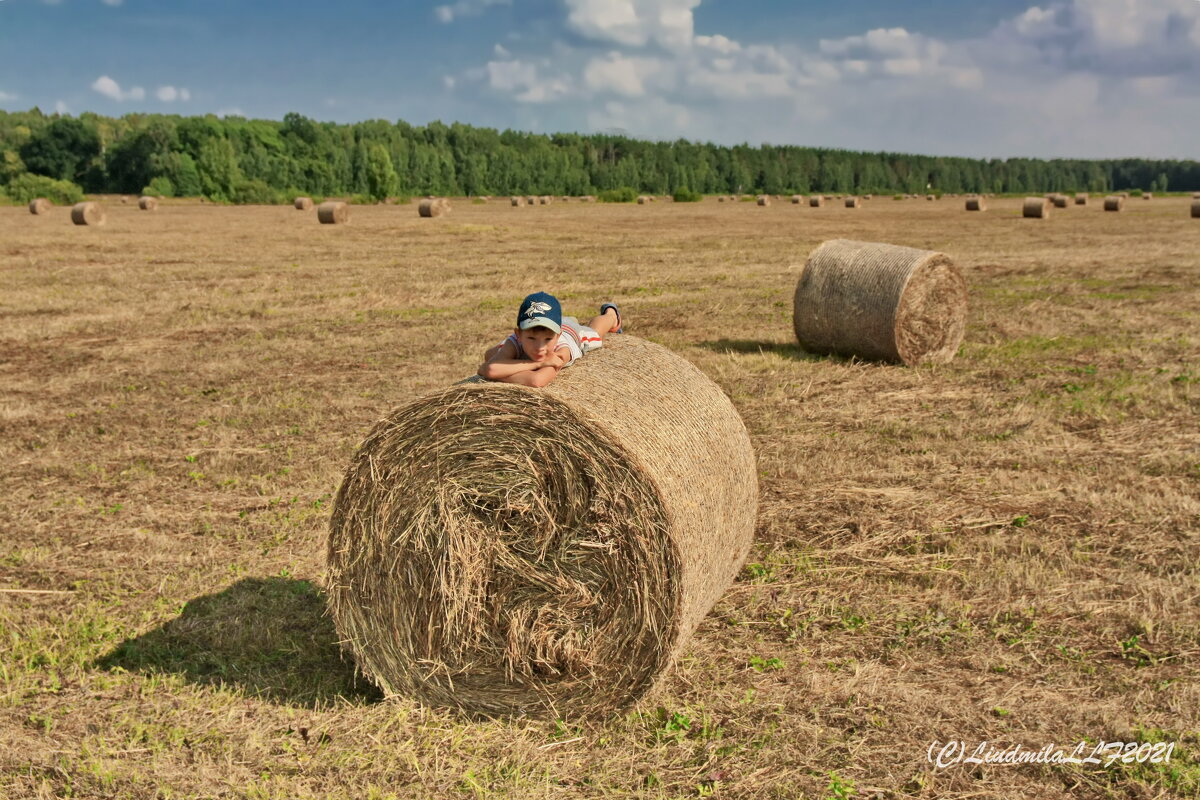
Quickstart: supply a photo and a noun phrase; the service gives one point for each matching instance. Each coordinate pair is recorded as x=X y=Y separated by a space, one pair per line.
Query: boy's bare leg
x=604 y=323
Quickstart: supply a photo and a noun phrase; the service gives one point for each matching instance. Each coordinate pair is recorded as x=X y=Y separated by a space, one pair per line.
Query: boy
x=544 y=342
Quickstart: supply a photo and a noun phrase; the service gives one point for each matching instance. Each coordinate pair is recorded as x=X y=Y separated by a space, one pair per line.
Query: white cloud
x=465 y=8
x=669 y=23
x=6 y=97
x=523 y=81
x=111 y=89
x=169 y=94
x=449 y=82
x=500 y=51
x=614 y=74
x=60 y=107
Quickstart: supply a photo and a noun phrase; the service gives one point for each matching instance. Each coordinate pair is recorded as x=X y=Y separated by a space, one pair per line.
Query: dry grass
x=1004 y=547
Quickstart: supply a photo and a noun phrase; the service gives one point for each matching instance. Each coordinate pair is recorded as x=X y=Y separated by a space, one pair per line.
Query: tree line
x=234 y=159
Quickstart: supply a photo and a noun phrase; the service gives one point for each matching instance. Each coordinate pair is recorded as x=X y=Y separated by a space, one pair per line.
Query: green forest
x=239 y=160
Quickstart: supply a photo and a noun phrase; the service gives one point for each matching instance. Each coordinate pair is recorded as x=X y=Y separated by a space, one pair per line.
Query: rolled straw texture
x=816 y=201
x=880 y=302
x=147 y=203
x=853 y=202
x=508 y=551
x=302 y=203
x=721 y=199
x=1081 y=199
x=1114 y=203
x=643 y=200
x=763 y=200
x=39 y=205
x=976 y=204
x=517 y=201
x=333 y=212
x=1196 y=195
x=797 y=199
x=437 y=207
x=1196 y=209
x=1036 y=208
x=544 y=199
x=1060 y=201
x=88 y=213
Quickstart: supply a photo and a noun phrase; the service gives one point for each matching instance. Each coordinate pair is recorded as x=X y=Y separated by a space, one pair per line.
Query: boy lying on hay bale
x=544 y=342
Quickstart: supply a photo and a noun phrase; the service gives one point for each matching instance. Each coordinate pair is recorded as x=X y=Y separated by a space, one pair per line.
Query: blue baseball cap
x=540 y=310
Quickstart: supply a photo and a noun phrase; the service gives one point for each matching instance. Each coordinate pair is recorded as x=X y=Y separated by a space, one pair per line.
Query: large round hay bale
x=1114 y=203
x=544 y=200
x=1196 y=195
x=853 y=202
x=302 y=203
x=816 y=201
x=147 y=203
x=547 y=552
x=517 y=201
x=763 y=200
x=1196 y=209
x=976 y=204
x=1081 y=198
x=880 y=302
x=39 y=205
x=1036 y=208
x=436 y=207
x=1148 y=196
x=797 y=199
x=1060 y=201
x=531 y=200
x=88 y=213
x=333 y=212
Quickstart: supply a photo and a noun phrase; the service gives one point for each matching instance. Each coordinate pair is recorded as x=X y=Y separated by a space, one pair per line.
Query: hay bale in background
x=437 y=207
x=1196 y=209
x=976 y=204
x=931 y=197
x=333 y=212
x=1036 y=208
x=816 y=201
x=147 y=203
x=763 y=200
x=868 y=197
x=302 y=203
x=39 y=205
x=588 y=198
x=1060 y=201
x=517 y=201
x=531 y=200
x=1196 y=195
x=643 y=200
x=544 y=200
x=88 y=213
x=853 y=202
x=721 y=199
x=1148 y=196
x=1081 y=198
x=797 y=199
x=565 y=198
x=1114 y=203
x=880 y=301
x=506 y=551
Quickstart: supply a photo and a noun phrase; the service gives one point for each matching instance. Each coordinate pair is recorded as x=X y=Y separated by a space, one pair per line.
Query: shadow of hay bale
x=749 y=346
x=268 y=636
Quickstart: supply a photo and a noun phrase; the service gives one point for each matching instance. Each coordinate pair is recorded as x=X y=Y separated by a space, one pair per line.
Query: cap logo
x=537 y=308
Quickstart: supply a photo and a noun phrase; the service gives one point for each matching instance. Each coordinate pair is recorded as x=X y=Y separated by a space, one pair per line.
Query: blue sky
x=1089 y=78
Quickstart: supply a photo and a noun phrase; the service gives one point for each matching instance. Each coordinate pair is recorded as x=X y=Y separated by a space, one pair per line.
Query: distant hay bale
x=1196 y=195
x=436 y=207
x=643 y=200
x=853 y=202
x=588 y=198
x=147 y=203
x=565 y=198
x=1081 y=198
x=1060 y=201
x=124 y=200
x=1148 y=196
x=544 y=200
x=1124 y=195
x=816 y=201
x=1196 y=209
x=721 y=199
x=868 y=197
x=763 y=200
x=545 y=553
x=333 y=212
x=88 y=213
x=40 y=205
x=976 y=204
x=517 y=201
x=1114 y=203
x=931 y=197
x=531 y=200
x=1036 y=208
x=880 y=302
x=797 y=199
x=302 y=203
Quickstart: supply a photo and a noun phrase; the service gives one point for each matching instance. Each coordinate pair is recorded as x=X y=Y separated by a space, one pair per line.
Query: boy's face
x=537 y=342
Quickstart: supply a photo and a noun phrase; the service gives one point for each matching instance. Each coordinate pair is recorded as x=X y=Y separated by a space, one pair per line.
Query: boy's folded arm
x=500 y=368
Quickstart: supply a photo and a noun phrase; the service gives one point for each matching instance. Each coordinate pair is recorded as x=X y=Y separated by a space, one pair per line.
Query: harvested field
x=1000 y=548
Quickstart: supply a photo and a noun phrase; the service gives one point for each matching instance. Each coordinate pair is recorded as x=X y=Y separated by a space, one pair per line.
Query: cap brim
x=540 y=322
